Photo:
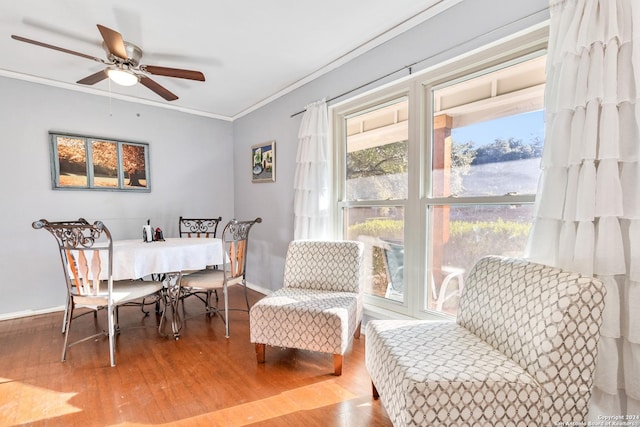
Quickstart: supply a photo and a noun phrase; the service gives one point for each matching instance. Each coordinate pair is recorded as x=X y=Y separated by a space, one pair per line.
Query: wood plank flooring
x=202 y=379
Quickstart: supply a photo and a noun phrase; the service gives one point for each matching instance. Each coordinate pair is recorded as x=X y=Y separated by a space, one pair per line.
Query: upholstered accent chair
x=319 y=307
x=521 y=353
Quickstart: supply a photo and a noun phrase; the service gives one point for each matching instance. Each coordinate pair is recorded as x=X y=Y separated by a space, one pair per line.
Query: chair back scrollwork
x=198 y=227
x=85 y=251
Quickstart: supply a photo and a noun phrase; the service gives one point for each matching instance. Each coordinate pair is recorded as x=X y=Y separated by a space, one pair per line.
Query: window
x=376 y=188
x=437 y=171
x=487 y=133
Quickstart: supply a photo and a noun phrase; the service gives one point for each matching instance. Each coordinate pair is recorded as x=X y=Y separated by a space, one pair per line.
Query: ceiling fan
x=123 y=64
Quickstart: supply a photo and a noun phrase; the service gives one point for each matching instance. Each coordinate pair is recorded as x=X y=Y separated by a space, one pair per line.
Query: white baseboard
x=28 y=313
x=263 y=291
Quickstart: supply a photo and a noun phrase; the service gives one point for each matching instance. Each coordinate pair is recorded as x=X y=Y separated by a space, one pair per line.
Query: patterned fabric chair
x=521 y=353
x=319 y=307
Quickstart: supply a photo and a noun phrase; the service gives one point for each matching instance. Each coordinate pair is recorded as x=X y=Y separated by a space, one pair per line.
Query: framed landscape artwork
x=263 y=162
x=88 y=163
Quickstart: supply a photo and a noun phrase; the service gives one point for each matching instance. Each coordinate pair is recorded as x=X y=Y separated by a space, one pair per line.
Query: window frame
x=339 y=127
x=417 y=88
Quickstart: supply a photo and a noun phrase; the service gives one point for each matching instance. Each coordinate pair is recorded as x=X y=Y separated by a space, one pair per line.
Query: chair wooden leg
x=356 y=334
x=337 y=365
x=374 y=391
x=260 y=352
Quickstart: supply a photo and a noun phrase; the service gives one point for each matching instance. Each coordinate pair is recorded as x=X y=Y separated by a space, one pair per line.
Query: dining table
x=167 y=259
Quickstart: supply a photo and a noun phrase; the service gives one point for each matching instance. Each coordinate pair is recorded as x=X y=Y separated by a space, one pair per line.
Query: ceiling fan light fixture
x=122 y=77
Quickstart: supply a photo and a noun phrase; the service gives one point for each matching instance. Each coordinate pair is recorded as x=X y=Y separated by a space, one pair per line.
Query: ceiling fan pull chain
x=110 y=109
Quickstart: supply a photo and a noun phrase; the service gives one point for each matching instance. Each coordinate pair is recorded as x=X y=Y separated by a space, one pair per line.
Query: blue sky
x=525 y=126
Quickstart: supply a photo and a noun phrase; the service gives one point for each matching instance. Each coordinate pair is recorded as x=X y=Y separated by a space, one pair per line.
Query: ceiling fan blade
x=61 y=49
x=173 y=72
x=114 y=41
x=163 y=92
x=94 y=78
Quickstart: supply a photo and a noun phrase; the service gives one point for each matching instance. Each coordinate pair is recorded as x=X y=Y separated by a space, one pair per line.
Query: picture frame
x=91 y=163
x=263 y=162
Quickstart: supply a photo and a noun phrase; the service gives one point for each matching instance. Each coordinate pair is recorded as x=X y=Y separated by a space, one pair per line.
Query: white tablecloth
x=134 y=259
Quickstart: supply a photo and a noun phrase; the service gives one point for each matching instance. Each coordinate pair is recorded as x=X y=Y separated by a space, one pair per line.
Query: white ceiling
x=250 y=52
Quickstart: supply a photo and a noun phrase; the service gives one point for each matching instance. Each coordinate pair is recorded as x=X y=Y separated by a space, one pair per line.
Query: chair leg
x=207 y=303
x=337 y=365
x=146 y=313
x=356 y=334
x=67 y=322
x=260 y=352
x=225 y=291
x=374 y=391
x=111 y=314
x=66 y=311
x=246 y=296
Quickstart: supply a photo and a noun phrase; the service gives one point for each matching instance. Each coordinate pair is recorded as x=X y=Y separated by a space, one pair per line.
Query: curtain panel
x=311 y=181
x=588 y=202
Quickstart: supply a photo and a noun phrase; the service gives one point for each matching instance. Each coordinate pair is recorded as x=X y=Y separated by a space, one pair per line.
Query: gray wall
x=467 y=26
x=191 y=165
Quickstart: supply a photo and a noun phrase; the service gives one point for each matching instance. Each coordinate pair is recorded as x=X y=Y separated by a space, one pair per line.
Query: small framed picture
x=263 y=162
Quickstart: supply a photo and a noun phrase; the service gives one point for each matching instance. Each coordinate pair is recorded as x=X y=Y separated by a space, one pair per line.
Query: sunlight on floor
x=304 y=398
x=22 y=403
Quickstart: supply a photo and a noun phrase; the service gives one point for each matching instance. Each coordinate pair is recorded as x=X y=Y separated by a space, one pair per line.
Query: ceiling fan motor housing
x=134 y=54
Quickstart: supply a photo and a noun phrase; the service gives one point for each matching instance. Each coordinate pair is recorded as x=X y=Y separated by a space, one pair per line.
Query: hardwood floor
x=202 y=379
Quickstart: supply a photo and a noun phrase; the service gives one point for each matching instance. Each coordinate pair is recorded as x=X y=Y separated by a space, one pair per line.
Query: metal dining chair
x=68 y=302
x=86 y=253
x=235 y=240
x=201 y=228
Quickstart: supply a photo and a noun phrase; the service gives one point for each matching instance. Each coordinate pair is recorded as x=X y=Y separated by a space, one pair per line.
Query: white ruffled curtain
x=311 y=182
x=588 y=204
